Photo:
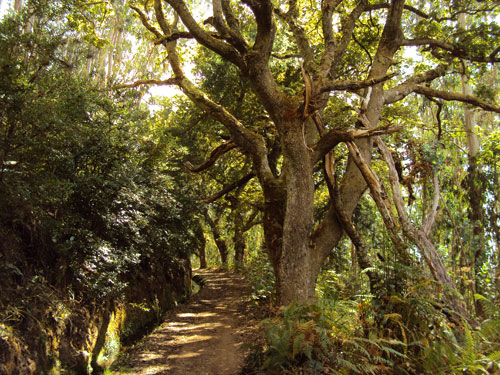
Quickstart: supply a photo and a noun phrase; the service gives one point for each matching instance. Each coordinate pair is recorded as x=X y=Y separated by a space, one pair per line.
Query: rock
x=14 y=357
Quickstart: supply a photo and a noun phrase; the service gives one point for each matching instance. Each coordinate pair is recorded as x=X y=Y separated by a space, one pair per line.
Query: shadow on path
x=201 y=337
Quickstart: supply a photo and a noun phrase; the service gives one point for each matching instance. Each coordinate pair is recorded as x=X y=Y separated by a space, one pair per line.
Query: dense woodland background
x=139 y=139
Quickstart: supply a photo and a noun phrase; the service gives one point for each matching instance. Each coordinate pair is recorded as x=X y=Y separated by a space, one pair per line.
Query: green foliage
x=259 y=272
x=326 y=338
x=408 y=333
x=465 y=351
x=300 y=333
x=85 y=187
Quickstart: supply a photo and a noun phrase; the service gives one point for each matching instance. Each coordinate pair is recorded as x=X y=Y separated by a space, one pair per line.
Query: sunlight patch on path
x=199 y=338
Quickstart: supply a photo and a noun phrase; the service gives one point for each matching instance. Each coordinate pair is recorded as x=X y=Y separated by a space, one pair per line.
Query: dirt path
x=201 y=337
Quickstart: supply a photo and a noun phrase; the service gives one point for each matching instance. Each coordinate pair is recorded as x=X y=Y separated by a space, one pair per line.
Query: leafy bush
x=86 y=190
x=259 y=272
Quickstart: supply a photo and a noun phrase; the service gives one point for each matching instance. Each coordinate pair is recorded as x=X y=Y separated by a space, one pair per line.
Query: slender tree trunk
x=475 y=213
x=238 y=240
x=221 y=244
x=201 y=246
x=239 y=251
x=18 y=5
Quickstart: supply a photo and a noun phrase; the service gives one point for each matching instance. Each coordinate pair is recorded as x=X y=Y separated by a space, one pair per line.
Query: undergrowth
x=395 y=334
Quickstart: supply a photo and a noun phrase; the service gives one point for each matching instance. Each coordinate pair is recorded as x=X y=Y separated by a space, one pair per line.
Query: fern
x=394 y=352
x=488 y=306
x=347 y=364
x=495 y=356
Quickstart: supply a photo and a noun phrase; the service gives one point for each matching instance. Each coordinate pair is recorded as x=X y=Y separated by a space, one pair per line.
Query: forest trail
x=203 y=336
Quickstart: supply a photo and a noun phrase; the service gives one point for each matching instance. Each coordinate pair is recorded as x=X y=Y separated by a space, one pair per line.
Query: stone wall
x=58 y=334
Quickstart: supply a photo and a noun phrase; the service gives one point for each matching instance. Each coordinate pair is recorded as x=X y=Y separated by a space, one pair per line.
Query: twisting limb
x=447 y=95
x=431 y=216
x=202 y=36
x=379 y=196
x=160 y=18
x=335 y=49
x=454 y=50
x=364 y=49
x=228 y=188
x=438 y=115
x=327 y=8
x=420 y=235
x=352 y=85
x=290 y=17
x=146 y=22
x=173 y=36
x=404 y=89
x=348 y=226
x=416 y=11
x=309 y=90
x=232 y=21
x=335 y=136
x=228 y=30
x=156 y=82
x=266 y=29
x=214 y=156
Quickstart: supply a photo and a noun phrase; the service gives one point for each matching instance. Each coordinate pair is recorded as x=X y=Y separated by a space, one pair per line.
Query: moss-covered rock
x=15 y=358
x=54 y=335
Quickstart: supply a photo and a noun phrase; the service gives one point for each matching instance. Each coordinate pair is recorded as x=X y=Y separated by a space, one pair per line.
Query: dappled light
x=201 y=337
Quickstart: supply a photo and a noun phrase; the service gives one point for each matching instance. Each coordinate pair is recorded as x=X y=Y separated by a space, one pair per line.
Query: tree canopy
x=322 y=75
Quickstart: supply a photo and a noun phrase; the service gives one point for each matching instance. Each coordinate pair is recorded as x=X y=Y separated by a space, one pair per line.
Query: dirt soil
x=205 y=336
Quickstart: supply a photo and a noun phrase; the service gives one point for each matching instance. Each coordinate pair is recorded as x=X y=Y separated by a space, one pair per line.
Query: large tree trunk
x=295 y=273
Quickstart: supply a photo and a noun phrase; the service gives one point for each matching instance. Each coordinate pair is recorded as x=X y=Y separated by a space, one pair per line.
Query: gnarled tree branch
x=404 y=89
x=379 y=196
x=266 y=29
x=214 y=156
x=352 y=85
x=431 y=216
x=455 y=96
x=228 y=188
x=454 y=50
x=203 y=37
x=306 y=52
x=156 y=82
x=335 y=136
x=334 y=50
